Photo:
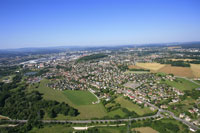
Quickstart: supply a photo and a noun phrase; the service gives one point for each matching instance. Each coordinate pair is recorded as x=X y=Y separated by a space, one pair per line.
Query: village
x=110 y=73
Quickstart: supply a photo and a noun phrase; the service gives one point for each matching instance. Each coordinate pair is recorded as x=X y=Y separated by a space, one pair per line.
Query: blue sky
x=41 y=23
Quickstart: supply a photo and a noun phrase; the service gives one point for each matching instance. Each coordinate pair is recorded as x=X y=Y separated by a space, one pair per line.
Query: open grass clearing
x=181 y=84
x=144 y=130
x=52 y=129
x=132 y=107
x=78 y=97
x=116 y=112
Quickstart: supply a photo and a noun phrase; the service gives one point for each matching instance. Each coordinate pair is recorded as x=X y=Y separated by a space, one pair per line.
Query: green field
x=86 y=108
x=118 y=112
x=52 y=129
x=182 y=84
x=80 y=97
x=133 y=107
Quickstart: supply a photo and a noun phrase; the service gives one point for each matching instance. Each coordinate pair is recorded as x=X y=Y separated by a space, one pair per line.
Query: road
x=158 y=114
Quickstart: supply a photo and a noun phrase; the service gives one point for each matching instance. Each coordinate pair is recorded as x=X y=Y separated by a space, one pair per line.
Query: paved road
x=116 y=120
x=90 y=121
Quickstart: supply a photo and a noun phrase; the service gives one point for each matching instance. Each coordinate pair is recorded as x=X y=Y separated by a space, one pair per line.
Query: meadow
x=83 y=103
x=133 y=107
x=78 y=97
x=145 y=130
x=181 y=84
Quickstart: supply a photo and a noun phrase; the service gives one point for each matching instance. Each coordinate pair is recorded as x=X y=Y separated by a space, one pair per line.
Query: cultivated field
x=189 y=72
x=196 y=69
x=145 y=130
x=178 y=71
x=86 y=110
x=132 y=107
x=151 y=66
x=182 y=59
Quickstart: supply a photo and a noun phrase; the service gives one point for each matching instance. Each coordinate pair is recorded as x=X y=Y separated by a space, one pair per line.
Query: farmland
x=152 y=66
x=196 y=69
x=83 y=105
x=178 y=71
x=189 y=72
x=145 y=130
x=133 y=107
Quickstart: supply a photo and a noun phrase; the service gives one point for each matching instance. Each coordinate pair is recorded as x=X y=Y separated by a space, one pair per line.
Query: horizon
x=97 y=23
x=105 y=45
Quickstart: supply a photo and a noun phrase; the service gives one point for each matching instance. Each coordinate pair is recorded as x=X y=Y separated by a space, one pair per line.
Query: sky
x=44 y=23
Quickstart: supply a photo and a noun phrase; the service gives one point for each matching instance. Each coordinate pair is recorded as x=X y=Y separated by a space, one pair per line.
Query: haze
x=43 y=23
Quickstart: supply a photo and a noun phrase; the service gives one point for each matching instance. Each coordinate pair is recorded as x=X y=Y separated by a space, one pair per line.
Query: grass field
x=145 y=130
x=116 y=112
x=80 y=97
x=87 y=110
x=132 y=107
x=53 y=129
x=182 y=84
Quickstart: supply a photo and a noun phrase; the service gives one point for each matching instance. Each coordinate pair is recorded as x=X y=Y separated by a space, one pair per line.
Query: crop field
x=182 y=84
x=86 y=108
x=151 y=66
x=189 y=72
x=196 y=69
x=145 y=130
x=133 y=107
x=178 y=71
x=182 y=59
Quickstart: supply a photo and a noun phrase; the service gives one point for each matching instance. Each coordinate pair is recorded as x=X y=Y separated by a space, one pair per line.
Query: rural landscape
x=124 y=89
x=99 y=66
